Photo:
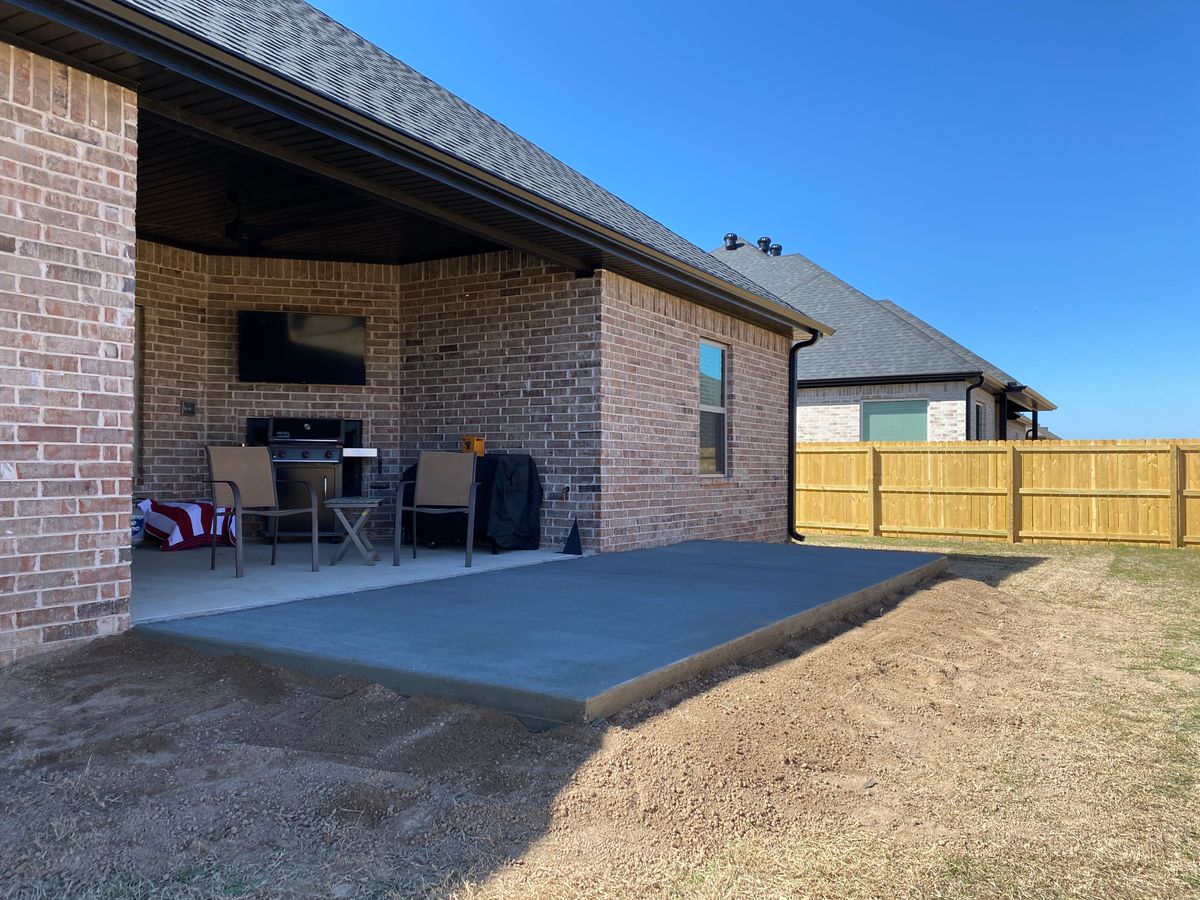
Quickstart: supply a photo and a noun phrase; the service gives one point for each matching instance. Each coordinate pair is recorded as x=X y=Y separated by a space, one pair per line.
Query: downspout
x=970 y=388
x=791 y=456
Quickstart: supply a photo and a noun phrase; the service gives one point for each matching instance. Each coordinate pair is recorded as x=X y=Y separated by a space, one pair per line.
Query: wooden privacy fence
x=1142 y=492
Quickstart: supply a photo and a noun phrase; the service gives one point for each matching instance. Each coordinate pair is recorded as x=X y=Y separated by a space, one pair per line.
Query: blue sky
x=1023 y=175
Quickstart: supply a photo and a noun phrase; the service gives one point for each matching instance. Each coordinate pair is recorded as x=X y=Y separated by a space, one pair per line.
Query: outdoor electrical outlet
x=187 y=407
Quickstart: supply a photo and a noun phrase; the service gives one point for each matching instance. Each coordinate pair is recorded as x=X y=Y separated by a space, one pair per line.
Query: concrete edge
x=768 y=637
x=510 y=700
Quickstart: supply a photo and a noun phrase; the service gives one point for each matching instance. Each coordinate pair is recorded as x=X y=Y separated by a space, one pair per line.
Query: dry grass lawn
x=1028 y=726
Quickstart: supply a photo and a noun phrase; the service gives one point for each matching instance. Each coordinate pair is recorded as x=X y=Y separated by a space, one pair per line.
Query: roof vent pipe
x=764 y=244
x=731 y=241
x=776 y=249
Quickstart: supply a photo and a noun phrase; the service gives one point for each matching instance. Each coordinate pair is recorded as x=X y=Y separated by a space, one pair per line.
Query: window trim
x=862 y=412
x=723 y=410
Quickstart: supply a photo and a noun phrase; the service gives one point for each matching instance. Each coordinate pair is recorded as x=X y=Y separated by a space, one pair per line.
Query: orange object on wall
x=472 y=443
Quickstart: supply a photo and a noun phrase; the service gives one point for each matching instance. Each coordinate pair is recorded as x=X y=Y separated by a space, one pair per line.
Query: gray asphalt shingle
x=300 y=43
x=871 y=340
x=874 y=339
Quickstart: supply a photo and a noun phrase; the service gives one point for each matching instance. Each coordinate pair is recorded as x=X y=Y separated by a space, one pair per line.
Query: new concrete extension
x=571 y=642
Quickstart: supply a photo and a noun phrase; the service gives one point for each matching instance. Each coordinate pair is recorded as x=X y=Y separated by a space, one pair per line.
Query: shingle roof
x=874 y=339
x=300 y=43
x=949 y=342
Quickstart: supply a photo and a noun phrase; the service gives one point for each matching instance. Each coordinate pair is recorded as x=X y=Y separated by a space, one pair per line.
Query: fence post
x=1175 y=503
x=873 y=490
x=1014 y=494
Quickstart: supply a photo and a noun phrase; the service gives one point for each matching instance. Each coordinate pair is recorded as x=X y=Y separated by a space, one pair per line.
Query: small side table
x=354 y=535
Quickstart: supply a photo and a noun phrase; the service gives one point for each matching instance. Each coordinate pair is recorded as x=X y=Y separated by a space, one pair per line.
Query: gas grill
x=305 y=441
x=307 y=451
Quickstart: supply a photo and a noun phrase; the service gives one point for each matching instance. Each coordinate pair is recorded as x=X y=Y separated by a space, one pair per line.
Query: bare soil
x=1028 y=726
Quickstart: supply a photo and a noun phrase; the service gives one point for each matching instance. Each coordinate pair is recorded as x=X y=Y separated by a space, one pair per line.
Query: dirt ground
x=1028 y=726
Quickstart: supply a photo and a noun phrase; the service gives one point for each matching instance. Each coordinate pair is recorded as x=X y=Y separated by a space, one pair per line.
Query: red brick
x=68 y=631
x=67 y=265
x=53 y=615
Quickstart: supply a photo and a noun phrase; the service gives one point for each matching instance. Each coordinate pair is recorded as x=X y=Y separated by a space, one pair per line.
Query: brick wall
x=835 y=413
x=68 y=154
x=172 y=347
x=652 y=492
x=506 y=346
x=499 y=344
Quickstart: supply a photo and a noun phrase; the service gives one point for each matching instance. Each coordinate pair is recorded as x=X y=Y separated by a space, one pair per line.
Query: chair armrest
x=312 y=491
x=237 y=499
x=233 y=487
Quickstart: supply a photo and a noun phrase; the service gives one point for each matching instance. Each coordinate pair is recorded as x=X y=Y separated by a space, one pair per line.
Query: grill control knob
x=304 y=454
x=329 y=454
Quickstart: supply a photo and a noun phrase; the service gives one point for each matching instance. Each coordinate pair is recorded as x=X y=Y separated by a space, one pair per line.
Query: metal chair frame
x=435 y=510
x=273 y=512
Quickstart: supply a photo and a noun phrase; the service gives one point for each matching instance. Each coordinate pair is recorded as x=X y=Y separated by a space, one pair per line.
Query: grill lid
x=305 y=431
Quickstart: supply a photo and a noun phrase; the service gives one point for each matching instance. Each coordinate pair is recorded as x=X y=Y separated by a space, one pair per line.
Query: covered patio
x=569 y=642
x=184 y=176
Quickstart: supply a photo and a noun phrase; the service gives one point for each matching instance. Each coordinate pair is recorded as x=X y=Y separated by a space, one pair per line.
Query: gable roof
x=292 y=40
x=874 y=340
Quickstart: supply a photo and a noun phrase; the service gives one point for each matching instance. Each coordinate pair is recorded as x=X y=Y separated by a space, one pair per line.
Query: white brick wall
x=835 y=413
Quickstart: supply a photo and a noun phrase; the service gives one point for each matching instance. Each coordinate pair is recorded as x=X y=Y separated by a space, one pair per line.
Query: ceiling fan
x=251 y=237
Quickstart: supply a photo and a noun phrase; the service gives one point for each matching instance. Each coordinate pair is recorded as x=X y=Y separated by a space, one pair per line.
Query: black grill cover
x=508 y=505
x=515 y=518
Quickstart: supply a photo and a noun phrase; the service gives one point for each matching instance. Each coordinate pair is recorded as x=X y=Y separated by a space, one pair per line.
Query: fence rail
x=1143 y=492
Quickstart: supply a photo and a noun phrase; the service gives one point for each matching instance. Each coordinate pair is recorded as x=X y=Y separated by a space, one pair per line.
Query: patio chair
x=242 y=480
x=445 y=484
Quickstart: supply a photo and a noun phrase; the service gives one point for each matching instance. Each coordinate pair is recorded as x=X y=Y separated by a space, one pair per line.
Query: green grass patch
x=1156 y=565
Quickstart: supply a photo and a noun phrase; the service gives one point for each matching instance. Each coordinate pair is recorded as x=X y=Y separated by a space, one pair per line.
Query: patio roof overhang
x=186 y=86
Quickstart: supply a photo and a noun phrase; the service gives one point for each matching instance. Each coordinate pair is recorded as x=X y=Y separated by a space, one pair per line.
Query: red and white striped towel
x=187 y=524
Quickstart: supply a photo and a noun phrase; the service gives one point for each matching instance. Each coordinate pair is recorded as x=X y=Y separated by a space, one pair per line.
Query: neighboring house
x=169 y=163
x=1021 y=429
x=885 y=375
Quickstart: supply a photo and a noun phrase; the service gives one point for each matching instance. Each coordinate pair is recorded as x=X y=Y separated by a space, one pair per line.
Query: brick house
x=167 y=164
x=886 y=374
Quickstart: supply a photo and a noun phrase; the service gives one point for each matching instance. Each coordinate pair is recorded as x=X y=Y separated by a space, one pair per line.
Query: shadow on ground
x=132 y=769
x=991 y=570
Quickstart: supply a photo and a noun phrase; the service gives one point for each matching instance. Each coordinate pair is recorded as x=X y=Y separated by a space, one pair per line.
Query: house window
x=980 y=425
x=895 y=420
x=713 y=420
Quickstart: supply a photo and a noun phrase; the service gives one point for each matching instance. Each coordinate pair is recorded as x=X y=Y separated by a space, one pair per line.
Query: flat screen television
x=301 y=348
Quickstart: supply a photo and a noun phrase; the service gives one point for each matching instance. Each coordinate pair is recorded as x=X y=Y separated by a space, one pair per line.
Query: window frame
x=980 y=420
x=862 y=412
x=722 y=411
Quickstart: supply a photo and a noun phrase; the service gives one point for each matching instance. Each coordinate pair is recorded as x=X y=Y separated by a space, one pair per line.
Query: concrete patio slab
x=571 y=642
